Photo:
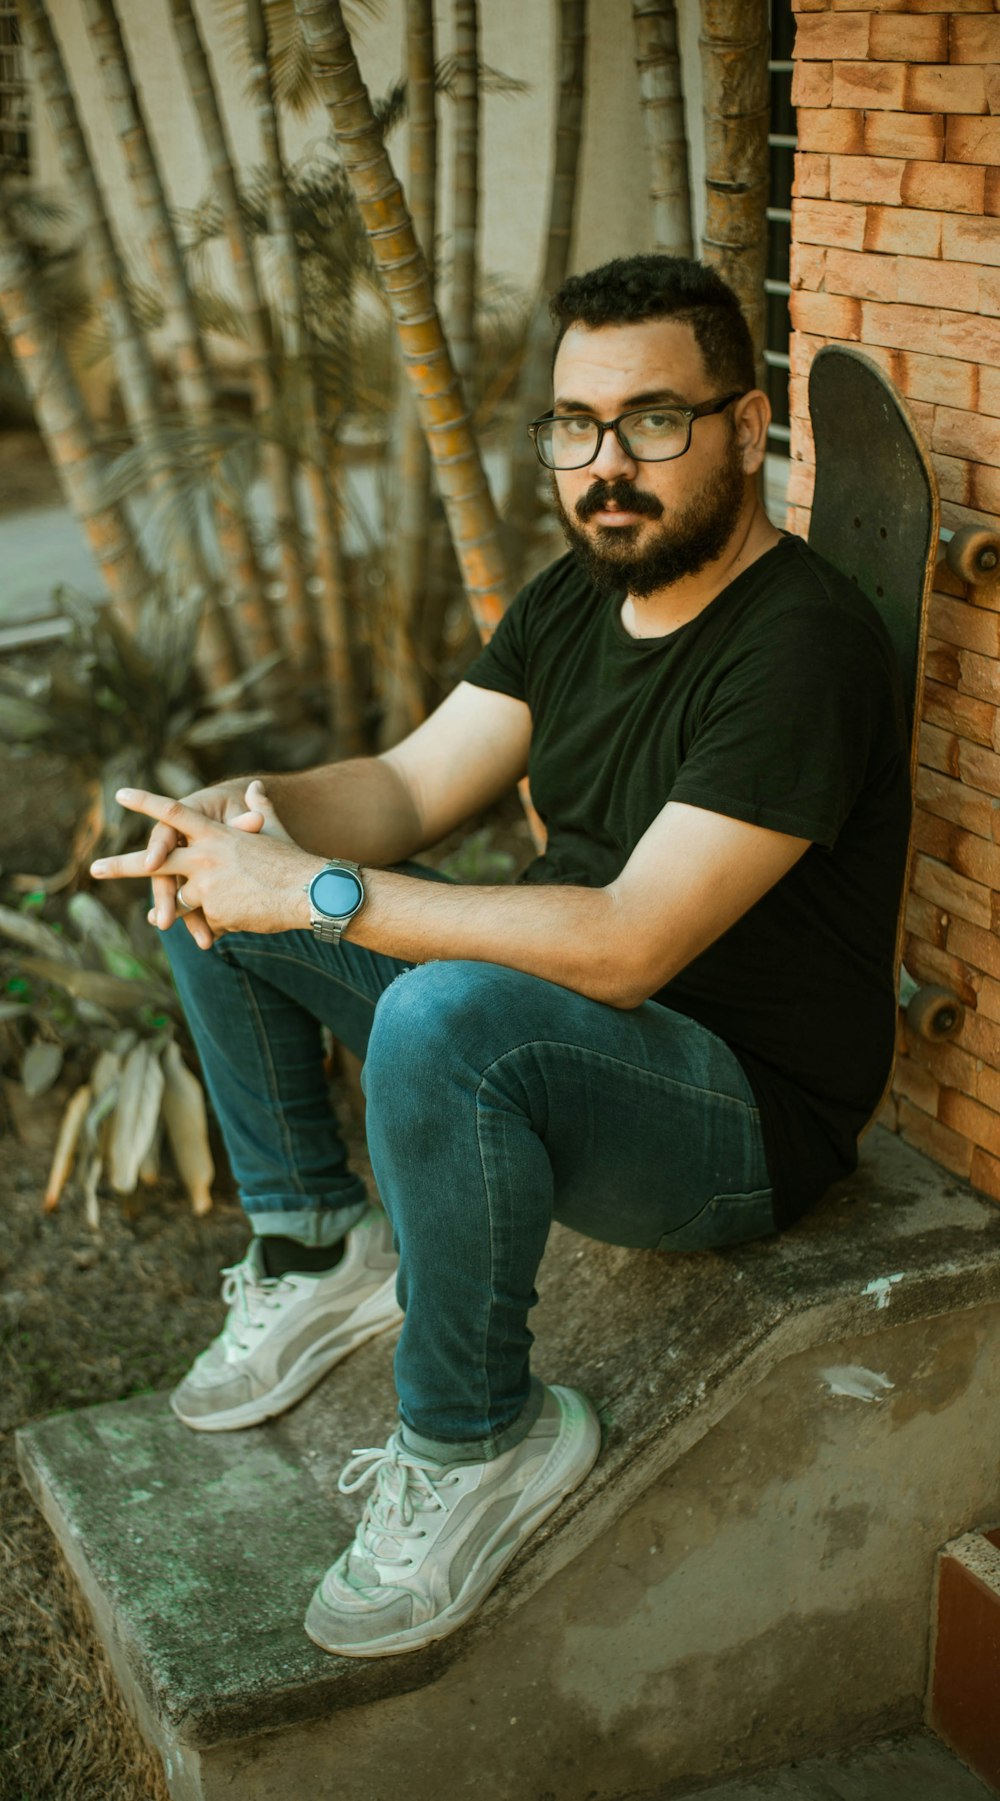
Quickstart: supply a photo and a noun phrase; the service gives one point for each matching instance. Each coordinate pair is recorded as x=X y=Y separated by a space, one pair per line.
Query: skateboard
x=875 y=517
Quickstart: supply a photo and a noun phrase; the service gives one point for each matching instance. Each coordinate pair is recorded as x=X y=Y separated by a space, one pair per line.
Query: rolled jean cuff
x=314 y=1225
x=481 y=1450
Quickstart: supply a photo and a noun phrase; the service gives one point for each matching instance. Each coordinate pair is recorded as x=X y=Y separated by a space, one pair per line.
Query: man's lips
x=616 y=516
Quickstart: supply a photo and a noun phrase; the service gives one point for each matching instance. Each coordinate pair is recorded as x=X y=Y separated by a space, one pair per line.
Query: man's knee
x=437 y=1019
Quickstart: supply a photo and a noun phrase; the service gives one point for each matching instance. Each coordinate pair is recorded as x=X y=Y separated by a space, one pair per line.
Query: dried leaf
x=187 y=1129
x=66 y=1143
x=103 y=990
x=91 y=1205
x=40 y=1067
x=136 y=1114
x=34 y=936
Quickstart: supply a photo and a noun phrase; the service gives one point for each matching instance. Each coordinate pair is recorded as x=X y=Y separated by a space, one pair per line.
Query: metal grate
x=15 y=154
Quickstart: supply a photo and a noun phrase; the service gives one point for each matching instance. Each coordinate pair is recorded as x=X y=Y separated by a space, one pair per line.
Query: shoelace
x=403 y=1488
x=247 y=1296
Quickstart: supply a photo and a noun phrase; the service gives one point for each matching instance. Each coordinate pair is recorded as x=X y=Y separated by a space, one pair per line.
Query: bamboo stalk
x=334 y=619
x=535 y=387
x=465 y=208
x=278 y=465
x=255 y=617
x=137 y=378
x=661 y=93
x=403 y=696
x=68 y=431
x=472 y=516
x=734 y=50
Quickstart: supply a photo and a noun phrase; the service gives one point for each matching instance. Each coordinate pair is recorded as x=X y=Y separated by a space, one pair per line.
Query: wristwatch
x=335 y=895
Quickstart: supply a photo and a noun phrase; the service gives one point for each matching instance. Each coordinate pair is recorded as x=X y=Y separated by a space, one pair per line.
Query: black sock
x=284 y=1256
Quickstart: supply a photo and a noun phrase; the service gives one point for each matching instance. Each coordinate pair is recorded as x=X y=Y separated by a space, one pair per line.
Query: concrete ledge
x=198 y=1553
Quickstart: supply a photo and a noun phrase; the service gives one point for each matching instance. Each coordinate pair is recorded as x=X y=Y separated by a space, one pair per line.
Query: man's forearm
x=358 y=809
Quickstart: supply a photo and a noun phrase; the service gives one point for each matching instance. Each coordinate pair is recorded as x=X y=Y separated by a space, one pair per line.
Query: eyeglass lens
x=653 y=436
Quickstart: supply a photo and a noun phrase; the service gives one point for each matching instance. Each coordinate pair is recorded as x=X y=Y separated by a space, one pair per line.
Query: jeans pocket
x=725 y=1219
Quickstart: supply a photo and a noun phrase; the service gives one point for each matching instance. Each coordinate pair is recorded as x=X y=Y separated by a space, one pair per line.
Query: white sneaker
x=283 y=1333
x=435 y=1538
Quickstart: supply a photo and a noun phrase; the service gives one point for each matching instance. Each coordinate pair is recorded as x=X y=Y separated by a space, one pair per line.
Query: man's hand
x=240 y=873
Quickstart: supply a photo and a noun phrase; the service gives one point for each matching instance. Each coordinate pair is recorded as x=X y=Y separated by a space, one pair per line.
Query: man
x=668 y=1034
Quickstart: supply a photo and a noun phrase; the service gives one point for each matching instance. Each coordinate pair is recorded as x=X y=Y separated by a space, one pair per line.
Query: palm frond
x=491 y=81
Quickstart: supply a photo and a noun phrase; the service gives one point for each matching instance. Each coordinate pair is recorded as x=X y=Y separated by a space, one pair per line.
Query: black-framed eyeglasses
x=648 y=434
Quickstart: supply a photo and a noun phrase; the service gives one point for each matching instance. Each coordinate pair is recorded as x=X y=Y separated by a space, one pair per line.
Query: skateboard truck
x=931 y=1011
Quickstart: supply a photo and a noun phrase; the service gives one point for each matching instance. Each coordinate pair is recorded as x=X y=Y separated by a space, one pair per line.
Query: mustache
x=622 y=494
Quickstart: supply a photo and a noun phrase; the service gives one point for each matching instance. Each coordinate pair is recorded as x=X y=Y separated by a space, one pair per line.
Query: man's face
x=642 y=526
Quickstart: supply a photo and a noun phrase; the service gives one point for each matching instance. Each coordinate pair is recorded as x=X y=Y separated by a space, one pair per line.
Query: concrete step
x=917 y=1768
x=792 y=1430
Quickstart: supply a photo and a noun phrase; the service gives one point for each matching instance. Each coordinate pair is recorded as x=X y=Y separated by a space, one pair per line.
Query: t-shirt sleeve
x=502 y=663
x=784 y=739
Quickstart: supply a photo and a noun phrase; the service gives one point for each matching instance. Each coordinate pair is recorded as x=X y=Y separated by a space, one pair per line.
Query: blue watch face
x=336 y=892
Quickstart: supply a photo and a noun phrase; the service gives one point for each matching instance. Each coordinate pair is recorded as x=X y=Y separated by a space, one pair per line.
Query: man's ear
x=752 y=419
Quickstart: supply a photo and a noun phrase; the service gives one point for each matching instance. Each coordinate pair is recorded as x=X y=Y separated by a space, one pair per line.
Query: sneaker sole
x=486 y=1573
x=303 y=1375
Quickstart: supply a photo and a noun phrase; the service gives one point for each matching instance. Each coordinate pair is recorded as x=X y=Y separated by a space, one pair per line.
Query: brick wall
x=896 y=248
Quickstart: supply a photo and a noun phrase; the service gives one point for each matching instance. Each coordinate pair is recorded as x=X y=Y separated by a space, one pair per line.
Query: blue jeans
x=497 y=1102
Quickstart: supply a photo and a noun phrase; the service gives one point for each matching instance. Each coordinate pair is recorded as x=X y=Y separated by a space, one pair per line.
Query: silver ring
x=181 y=902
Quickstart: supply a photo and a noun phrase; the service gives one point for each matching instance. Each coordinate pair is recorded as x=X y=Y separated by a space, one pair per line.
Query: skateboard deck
x=875 y=516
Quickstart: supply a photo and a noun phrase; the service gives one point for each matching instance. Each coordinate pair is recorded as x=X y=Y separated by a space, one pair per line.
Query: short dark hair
x=632 y=289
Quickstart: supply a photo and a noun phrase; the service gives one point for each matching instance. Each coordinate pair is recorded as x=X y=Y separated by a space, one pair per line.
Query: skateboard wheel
x=973 y=554
x=933 y=1012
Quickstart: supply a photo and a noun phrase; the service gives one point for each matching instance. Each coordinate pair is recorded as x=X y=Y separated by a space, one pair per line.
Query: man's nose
x=612 y=462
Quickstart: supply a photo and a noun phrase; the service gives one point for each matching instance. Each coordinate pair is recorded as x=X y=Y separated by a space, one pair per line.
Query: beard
x=681 y=546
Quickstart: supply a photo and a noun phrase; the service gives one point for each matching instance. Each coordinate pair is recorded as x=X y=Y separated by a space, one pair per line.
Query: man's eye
x=580 y=427
x=654 y=422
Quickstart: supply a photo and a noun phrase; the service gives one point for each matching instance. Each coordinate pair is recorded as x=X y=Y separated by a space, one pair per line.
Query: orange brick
x=987 y=1088
x=972 y=140
x=979 y=676
x=837 y=128
x=958 y=433
x=945 y=581
x=954 y=188
x=901 y=134
x=989 y=999
x=971 y=241
x=989 y=290
x=949 y=800
x=809 y=6
x=827 y=35
x=977 y=340
x=801 y=481
x=923 y=961
x=802 y=348
x=824 y=222
x=939 y=748
x=942 y=89
x=988 y=398
x=941 y=380
x=958 y=623
x=952 y=1067
x=867 y=277
x=812 y=176
x=927 y=921
x=991 y=192
x=985 y=494
x=902 y=327
x=941 y=665
x=831 y=315
x=954 y=480
x=881 y=86
x=975 y=1122
x=975 y=41
x=979 y=767
x=935 y=1140
x=974 y=720
x=953 y=518
x=808 y=266
x=812 y=84
x=977 y=948
x=929 y=282
x=874 y=179
x=916 y=1084
x=909 y=39
x=980 y=1037
x=936 y=882
x=984 y=1173
x=895 y=230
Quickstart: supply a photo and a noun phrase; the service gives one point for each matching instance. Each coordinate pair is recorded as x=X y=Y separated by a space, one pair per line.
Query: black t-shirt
x=780 y=704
